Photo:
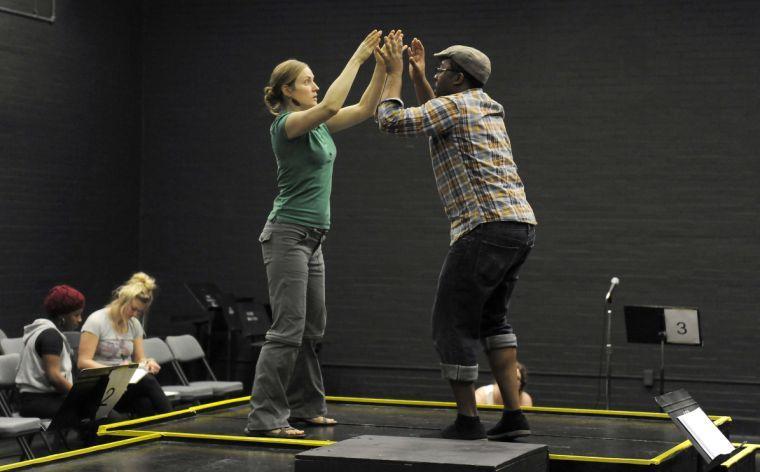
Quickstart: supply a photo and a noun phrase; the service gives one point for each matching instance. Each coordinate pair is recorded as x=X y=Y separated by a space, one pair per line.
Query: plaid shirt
x=471 y=153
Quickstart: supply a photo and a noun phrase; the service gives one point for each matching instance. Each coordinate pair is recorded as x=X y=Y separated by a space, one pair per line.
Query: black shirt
x=49 y=342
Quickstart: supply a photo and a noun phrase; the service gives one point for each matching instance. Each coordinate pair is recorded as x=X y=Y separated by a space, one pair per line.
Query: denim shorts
x=474 y=288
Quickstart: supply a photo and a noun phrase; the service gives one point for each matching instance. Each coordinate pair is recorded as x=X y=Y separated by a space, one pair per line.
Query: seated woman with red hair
x=44 y=376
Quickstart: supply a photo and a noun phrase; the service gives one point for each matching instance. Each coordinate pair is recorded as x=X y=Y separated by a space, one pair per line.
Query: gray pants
x=288 y=381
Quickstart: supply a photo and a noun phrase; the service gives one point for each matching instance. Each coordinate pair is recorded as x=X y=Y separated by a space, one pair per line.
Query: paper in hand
x=138 y=375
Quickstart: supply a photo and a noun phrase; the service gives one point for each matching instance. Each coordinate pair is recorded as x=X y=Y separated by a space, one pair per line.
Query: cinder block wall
x=70 y=154
x=634 y=125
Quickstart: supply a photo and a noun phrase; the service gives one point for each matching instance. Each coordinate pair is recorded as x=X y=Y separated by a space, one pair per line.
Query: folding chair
x=11 y=426
x=12 y=345
x=187 y=349
x=73 y=338
x=160 y=352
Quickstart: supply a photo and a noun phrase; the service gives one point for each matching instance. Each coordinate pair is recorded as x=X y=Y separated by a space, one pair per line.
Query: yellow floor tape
x=137 y=436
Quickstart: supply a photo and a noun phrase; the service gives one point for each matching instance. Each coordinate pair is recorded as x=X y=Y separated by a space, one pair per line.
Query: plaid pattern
x=471 y=153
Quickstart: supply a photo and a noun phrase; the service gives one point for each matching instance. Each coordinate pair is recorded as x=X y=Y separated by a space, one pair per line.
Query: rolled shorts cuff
x=313 y=337
x=500 y=341
x=282 y=340
x=460 y=373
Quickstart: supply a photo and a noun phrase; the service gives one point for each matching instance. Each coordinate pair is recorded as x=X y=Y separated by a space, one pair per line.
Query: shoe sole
x=518 y=433
x=268 y=434
x=466 y=439
x=309 y=422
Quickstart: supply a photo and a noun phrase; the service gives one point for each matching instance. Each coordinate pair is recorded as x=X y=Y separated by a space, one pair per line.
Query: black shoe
x=465 y=427
x=513 y=424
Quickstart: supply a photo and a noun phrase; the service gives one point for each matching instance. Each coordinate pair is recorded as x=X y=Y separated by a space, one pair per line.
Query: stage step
x=370 y=453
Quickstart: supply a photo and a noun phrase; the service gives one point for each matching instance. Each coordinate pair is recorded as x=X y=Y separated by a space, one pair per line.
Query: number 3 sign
x=682 y=326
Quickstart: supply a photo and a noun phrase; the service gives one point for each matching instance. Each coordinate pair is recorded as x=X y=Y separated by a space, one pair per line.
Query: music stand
x=662 y=325
x=246 y=316
x=207 y=295
x=210 y=298
x=253 y=317
x=689 y=418
x=92 y=397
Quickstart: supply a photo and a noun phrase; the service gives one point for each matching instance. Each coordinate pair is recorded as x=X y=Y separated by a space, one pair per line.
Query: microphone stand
x=608 y=350
x=663 y=338
x=608 y=341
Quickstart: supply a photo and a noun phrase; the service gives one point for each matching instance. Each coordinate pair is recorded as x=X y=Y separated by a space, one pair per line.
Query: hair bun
x=148 y=282
x=285 y=73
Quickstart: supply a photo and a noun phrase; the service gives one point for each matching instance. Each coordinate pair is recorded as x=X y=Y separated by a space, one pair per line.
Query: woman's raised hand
x=392 y=52
x=379 y=57
x=367 y=46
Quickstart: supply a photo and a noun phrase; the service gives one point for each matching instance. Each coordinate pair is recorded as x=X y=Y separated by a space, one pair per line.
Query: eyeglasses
x=439 y=70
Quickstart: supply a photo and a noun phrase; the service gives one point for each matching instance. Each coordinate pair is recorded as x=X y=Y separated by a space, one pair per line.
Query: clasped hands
x=392 y=55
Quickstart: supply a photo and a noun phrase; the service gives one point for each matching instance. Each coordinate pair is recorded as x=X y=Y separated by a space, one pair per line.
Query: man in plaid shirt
x=492 y=224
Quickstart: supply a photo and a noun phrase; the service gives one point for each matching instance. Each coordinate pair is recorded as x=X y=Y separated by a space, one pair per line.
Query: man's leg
x=464 y=396
x=510 y=243
x=503 y=363
x=456 y=334
x=513 y=423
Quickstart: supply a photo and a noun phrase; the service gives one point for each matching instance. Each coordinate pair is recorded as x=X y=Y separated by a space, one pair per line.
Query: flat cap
x=470 y=59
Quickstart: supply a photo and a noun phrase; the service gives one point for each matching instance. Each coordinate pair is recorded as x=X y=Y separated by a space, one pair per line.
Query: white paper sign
x=118 y=380
x=682 y=326
x=707 y=435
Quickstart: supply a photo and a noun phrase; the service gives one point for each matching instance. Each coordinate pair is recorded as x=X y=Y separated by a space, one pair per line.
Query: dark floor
x=565 y=434
x=166 y=456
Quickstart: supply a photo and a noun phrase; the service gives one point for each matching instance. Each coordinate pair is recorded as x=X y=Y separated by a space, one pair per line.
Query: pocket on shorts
x=508 y=236
x=265 y=235
x=495 y=260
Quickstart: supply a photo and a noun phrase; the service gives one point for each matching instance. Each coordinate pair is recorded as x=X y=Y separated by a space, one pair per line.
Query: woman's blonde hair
x=285 y=73
x=140 y=286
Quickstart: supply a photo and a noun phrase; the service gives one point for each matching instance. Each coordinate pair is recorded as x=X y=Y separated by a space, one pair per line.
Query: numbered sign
x=682 y=326
x=118 y=380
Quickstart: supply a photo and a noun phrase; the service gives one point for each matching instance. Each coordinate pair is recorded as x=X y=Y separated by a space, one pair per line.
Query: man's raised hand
x=416 y=53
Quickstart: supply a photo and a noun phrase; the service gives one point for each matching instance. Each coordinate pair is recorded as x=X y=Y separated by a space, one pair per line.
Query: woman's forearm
x=51 y=364
x=89 y=364
x=59 y=382
x=371 y=96
x=338 y=91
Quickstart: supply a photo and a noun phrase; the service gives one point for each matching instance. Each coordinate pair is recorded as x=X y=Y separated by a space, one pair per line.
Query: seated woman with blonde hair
x=113 y=335
x=491 y=395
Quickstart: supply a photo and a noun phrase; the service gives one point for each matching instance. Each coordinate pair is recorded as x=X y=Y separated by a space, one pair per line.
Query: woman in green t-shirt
x=288 y=384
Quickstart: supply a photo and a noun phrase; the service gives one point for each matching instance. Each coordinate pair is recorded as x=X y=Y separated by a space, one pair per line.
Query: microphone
x=613 y=283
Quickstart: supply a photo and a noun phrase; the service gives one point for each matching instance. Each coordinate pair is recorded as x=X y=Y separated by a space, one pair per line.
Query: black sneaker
x=513 y=424
x=465 y=427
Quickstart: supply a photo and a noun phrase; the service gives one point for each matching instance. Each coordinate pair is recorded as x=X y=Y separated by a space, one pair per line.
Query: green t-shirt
x=304 y=175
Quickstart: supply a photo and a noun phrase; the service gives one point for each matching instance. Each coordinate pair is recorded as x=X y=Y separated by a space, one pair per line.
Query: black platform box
x=391 y=453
